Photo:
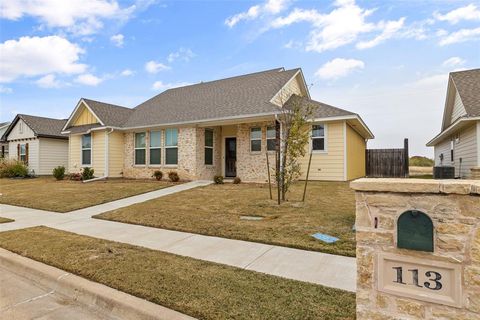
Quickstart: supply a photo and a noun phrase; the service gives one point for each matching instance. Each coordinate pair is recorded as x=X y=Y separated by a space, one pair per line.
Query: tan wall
x=327 y=165
x=52 y=153
x=74 y=153
x=295 y=86
x=356 y=147
x=98 y=153
x=84 y=117
x=116 y=153
x=454 y=207
x=203 y=171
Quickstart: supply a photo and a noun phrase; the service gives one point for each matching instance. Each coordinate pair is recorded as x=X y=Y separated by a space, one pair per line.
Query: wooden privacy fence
x=387 y=163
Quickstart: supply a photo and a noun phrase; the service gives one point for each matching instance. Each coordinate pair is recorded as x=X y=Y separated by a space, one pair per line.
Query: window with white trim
x=271 y=138
x=140 y=148
x=255 y=139
x=208 y=146
x=86 y=149
x=23 y=153
x=171 y=146
x=318 y=137
x=155 y=147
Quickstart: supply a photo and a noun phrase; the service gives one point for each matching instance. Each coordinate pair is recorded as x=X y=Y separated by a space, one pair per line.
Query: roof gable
x=40 y=126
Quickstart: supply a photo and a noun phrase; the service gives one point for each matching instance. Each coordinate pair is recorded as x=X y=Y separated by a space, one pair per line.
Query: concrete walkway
x=315 y=267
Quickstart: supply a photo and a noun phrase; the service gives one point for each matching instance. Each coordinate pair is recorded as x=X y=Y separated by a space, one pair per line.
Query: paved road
x=22 y=299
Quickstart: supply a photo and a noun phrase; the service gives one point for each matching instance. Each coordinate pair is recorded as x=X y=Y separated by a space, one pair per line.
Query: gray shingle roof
x=468 y=86
x=237 y=96
x=41 y=126
x=83 y=128
x=319 y=109
x=110 y=114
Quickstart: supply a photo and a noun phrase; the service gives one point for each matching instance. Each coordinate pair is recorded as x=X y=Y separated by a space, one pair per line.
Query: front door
x=230 y=157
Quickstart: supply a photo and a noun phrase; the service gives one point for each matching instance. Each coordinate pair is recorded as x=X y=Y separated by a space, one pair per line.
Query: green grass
x=201 y=289
x=5 y=220
x=46 y=193
x=216 y=210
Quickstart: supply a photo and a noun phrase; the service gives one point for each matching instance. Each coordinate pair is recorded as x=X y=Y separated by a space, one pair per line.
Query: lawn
x=5 y=220
x=62 y=196
x=198 y=288
x=217 y=209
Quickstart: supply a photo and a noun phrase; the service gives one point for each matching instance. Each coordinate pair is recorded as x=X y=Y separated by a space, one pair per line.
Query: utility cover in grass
x=324 y=237
x=254 y=218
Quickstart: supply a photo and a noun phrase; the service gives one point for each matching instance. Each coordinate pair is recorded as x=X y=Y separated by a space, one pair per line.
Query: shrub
x=59 y=172
x=419 y=161
x=237 y=180
x=75 y=176
x=173 y=176
x=158 y=175
x=87 y=173
x=13 y=169
x=218 y=179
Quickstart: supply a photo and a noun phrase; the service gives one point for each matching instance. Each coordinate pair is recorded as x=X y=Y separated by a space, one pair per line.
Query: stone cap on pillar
x=399 y=185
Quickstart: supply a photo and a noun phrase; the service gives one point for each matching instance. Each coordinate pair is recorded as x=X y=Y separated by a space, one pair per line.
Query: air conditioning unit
x=444 y=172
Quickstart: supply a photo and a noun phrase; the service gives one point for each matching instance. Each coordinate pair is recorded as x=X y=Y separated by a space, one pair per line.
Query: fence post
x=407 y=158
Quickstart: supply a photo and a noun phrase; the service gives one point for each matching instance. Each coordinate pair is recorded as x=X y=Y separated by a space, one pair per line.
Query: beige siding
x=443 y=148
x=356 y=146
x=458 y=108
x=328 y=165
x=16 y=134
x=84 y=116
x=53 y=153
x=33 y=159
x=74 y=153
x=466 y=148
x=295 y=86
x=98 y=153
x=116 y=153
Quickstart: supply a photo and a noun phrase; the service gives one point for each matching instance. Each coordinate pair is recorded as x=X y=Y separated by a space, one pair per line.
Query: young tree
x=293 y=140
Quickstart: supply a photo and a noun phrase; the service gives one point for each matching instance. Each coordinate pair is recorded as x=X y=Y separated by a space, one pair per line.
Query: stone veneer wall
x=453 y=206
x=475 y=173
x=203 y=171
x=252 y=166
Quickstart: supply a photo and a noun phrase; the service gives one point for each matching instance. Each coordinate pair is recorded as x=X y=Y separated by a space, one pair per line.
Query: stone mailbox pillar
x=418 y=249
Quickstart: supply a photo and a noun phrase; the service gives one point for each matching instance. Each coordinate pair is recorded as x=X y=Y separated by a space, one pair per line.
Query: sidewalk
x=315 y=267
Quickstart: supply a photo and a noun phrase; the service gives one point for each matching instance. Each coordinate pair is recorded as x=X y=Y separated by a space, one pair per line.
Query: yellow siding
x=295 y=86
x=84 y=117
x=74 y=153
x=356 y=146
x=98 y=152
x=116 y=153
x=330 y=164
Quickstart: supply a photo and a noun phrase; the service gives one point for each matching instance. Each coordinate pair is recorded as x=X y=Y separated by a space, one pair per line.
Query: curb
x=116 y=303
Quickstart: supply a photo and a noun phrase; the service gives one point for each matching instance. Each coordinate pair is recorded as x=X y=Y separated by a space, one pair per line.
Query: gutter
x=448 y=130
x=106 y=168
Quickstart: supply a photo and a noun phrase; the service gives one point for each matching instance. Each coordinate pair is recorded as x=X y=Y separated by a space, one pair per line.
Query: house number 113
x=433 y=282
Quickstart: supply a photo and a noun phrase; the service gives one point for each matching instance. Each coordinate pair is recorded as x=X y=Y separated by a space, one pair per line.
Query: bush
x=75 y=176
x=418 y=161
x=13 y=169
x=218 y=179
x=59 y=172
x=158 y=175
x=87 y=173
x=237 y=180
x=173 y=176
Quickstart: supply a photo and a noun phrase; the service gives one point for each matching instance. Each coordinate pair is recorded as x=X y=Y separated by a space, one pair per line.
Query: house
x=3 y=144
x=38 y=142
x=458 y=143
x=223 y=127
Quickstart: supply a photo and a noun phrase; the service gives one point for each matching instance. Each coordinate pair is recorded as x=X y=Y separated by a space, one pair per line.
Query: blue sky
x=386 y=60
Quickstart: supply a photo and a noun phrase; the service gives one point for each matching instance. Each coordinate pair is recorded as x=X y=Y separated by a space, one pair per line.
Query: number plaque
x=421 y=279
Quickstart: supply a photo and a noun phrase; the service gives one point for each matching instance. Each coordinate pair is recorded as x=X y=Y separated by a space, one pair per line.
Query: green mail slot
x=415 y=231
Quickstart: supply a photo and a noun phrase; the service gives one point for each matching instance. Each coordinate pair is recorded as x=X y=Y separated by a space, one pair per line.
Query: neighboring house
x=3 y=144
x=458 y=144
x=223 y=127
x=38 y=142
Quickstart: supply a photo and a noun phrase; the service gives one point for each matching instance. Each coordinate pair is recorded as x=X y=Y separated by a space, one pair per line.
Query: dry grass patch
x=201 y=289
x=46 y=193
x=5 y=220
x=216 y=210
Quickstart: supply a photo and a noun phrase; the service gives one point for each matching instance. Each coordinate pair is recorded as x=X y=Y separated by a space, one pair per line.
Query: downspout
x=105 y=174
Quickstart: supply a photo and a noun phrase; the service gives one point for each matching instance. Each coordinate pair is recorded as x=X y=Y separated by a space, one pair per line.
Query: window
x=271 y=138
x=452 y=147
x=140 y=148
x=208 y=146
x=171 y=147
x=155 y=147
x=318 y=137
x=256 y=139
x=23 y=153
x=86 y=149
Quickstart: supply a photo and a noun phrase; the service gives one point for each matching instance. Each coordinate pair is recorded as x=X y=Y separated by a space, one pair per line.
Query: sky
x=385 y=60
